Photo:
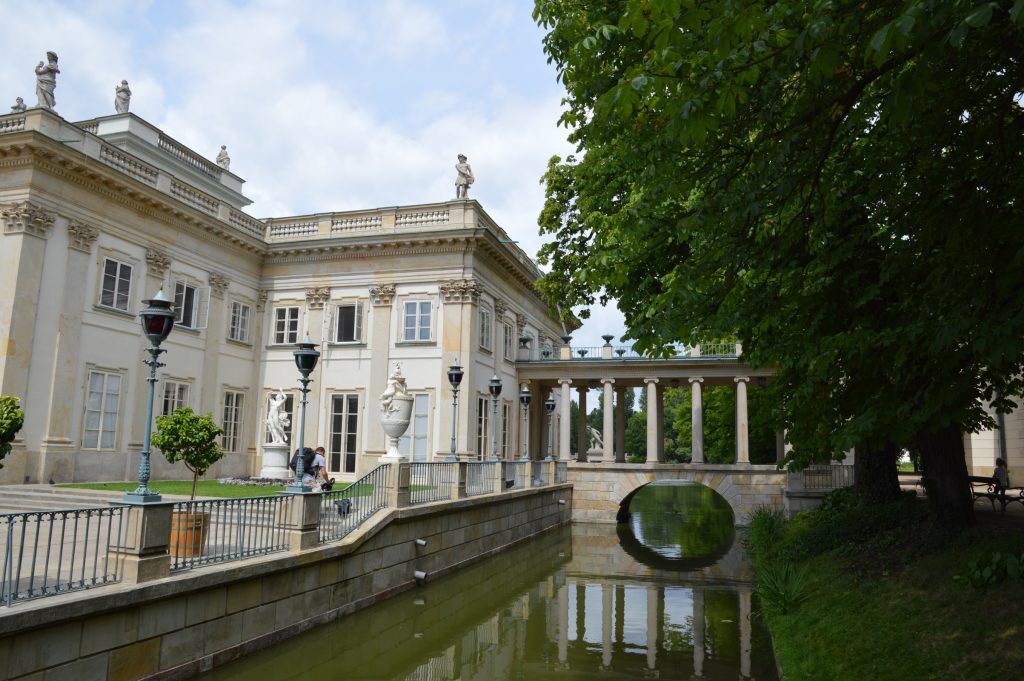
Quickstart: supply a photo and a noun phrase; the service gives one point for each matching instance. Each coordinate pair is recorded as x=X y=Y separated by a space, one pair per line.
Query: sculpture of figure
x=19 y=105
x=122 y=96
x=277 y=418
x=223 y=160
x=46 y=81
x=464 y=178
x=396 y=388
x=596 y=441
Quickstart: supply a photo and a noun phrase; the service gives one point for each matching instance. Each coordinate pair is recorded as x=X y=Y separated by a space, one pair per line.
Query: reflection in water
x=569 y=604
x=681 y=520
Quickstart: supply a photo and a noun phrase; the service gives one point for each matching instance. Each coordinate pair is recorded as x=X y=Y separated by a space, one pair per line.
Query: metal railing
x=432 y=481
x=561 y=472
x=482 y=477
x=50 y=552
x=342 y=511
x=223 y=530
x=826 y=476
x=519 y=473
x=577 y=353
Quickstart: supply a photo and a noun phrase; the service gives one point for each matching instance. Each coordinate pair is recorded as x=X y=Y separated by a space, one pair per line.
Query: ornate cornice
x=26 y=217
x=218 y=284
x=460 y=290
x=81 y=236
x=382 y=294
x=157 y=263
x=316 y=296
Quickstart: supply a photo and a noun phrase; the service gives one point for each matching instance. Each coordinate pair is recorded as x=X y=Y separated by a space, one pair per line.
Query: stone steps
x=28 y=498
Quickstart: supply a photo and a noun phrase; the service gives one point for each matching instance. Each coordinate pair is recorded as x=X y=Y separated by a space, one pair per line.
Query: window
x=483 y=422
x=101 y=407
x=238 y=326
x=115 y=291
x=348 y=324
x=190 y=306
x=417 y=321
x=344 y=433
x=485 y=328
x=175 y=395
x=506 y=419
x=289 y=408
x=286 y=325
x=417 y=433
x=509 y=345
x=231 y=441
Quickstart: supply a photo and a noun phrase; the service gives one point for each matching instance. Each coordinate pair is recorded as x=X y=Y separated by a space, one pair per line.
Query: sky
x=323 y=106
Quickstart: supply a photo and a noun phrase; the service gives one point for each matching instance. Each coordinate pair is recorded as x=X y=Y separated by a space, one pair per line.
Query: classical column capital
x=218 y=284
x=565 y=381
x=81 y=236
x=745 y=379
x=500 y=308
x=649 y=381
x=157 y=263
x=696 y=379
x=605 y=381
x=382 y=294
x=460 y=290
x=520 y=322
x=316 y=296
x=26 y=217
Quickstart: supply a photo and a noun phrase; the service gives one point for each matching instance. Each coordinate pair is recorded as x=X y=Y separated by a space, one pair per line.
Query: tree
x=837 y=184
x=11 y=419
x=190 y=438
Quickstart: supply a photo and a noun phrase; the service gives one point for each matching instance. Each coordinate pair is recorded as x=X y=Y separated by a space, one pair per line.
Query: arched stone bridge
x=601 y=489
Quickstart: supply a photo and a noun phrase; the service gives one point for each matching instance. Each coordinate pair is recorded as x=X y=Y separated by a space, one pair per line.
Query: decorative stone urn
x=395 y=413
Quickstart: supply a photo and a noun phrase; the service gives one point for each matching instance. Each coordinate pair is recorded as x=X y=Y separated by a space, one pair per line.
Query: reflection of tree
x=681 y=521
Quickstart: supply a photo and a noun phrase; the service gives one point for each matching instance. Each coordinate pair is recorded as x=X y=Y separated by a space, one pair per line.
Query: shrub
x=189 y=438
x=764 y=530
x=982 y=572
x=782 y=586
x=11 y=419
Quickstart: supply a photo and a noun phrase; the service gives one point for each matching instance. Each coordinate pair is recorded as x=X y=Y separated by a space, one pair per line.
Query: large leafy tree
x=837 y=183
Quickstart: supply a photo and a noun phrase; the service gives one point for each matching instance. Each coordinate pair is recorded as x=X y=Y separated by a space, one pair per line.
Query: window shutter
x=203 y=314
x=359 y=322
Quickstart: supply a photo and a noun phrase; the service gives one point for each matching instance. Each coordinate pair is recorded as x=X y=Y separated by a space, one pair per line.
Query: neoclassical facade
x=99 y=215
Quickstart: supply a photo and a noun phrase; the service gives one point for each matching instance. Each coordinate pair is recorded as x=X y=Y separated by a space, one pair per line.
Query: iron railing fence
x=482 y=477
x=432 y=481
x=586 y=353
x=519 y=473
x=561 y=472
x=45 y=553
x=222 y=530
x=342 y=511
x=716 y=350
x=828 y=476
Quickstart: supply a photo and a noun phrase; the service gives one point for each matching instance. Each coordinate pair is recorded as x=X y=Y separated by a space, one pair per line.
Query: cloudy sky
x=322 y=105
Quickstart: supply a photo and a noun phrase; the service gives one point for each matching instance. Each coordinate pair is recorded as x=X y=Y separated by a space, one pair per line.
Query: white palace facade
x=99 y=215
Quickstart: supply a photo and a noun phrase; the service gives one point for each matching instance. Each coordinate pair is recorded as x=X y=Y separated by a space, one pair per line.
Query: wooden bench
x=983 y=487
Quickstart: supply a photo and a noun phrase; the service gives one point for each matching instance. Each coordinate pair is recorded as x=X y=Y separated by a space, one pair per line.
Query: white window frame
x=239 y=324
x=118 y=278
x=200 y=305
x=282 y=337
x=418 y=327
x=508 y=341
x=232 y=417
x=483 y=423
x=486 y=327
x=346 y=434
x=418 y=431
x=505 y=441
x=175 y=393
x=357 y=323
x=104 y=416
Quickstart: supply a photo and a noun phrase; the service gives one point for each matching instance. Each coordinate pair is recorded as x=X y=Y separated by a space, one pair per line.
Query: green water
x=666 y=596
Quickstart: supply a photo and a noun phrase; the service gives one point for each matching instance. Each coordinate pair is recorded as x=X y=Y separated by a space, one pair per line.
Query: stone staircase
x=26 y=498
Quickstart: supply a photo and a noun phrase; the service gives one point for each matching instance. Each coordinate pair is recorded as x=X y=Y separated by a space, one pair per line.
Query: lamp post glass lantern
x=524 y=399
x=157 y=321
x=306 y=357
x=549 y=407
x=455 y=374
x=495 y=389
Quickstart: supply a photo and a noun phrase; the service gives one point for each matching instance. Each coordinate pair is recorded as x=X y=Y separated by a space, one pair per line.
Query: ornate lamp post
x=306 y=357
x=157 y=322
x=495 y=389
x=524 y=399
x=549 y=407
x=455 y=379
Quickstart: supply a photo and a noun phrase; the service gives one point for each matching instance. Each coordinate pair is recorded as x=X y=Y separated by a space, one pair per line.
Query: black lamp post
x=157 y=322
x=495 y=389
x=524 y=399
x=549 y=407
x=455 y=379
x=306 y=357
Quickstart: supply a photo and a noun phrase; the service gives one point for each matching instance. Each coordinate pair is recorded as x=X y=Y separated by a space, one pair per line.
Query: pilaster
x=382 y=297
x=208 y=396
x=316 y=299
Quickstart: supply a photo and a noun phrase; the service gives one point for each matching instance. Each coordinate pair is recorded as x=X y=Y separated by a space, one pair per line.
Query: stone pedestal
x=594 y=454
x=144 y=551
x=275 y=462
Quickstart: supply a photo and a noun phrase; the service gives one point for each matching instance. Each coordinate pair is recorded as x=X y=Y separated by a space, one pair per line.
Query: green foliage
x=983 y=572
x=190 y=438
x=11 y=419
x=764 y=530
x=782 y=586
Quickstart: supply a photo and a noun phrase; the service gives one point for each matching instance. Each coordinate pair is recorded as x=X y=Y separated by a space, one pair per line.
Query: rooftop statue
x=122 y=96
x=223 y=160
x=46 y=81
x=19 y=105
x=464 y=178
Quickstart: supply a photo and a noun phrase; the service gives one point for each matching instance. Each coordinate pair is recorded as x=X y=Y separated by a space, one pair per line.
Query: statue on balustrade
x=122 y=97
x=19 y=105
x=46 y=81
x=223 y=160
x=464 y=178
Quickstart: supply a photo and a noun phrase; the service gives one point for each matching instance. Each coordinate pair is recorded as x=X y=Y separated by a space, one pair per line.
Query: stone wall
x=176 y=627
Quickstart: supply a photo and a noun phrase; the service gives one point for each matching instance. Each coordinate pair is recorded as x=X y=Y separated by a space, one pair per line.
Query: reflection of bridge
x=602 y=492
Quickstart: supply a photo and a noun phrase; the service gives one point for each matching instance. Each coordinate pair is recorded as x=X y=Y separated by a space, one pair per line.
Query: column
x=581 y=612
x=523 y=426
x=563 y=627
x=381 y=298
x=745 y=634
x=608 y=434
x=316 y=299
x=697 y=419
x=660 y=394
x=698 y=633
x=620 y=425
x=565 y=421
x=654 y=453
x=742 y=434
x=582 y=440
x=606 y=627
x=652 y=630
x=537 y=421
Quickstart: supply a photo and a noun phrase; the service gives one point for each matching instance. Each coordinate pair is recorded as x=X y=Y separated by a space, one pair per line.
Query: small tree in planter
x=192 y=439
x=11 y=420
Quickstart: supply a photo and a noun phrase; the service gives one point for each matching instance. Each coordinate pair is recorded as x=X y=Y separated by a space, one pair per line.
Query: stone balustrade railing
x=183 y=153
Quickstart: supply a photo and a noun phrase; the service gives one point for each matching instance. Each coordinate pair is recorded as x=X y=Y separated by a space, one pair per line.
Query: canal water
x=667 y=595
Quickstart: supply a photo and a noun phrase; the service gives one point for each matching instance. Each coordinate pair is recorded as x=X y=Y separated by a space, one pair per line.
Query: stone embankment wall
x=175 y=627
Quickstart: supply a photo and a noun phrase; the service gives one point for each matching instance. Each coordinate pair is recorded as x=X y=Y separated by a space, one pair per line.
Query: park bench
x=985 y=487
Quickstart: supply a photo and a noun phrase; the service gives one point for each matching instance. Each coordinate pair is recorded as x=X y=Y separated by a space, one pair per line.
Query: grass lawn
x=206 y=488
x=886 y=607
